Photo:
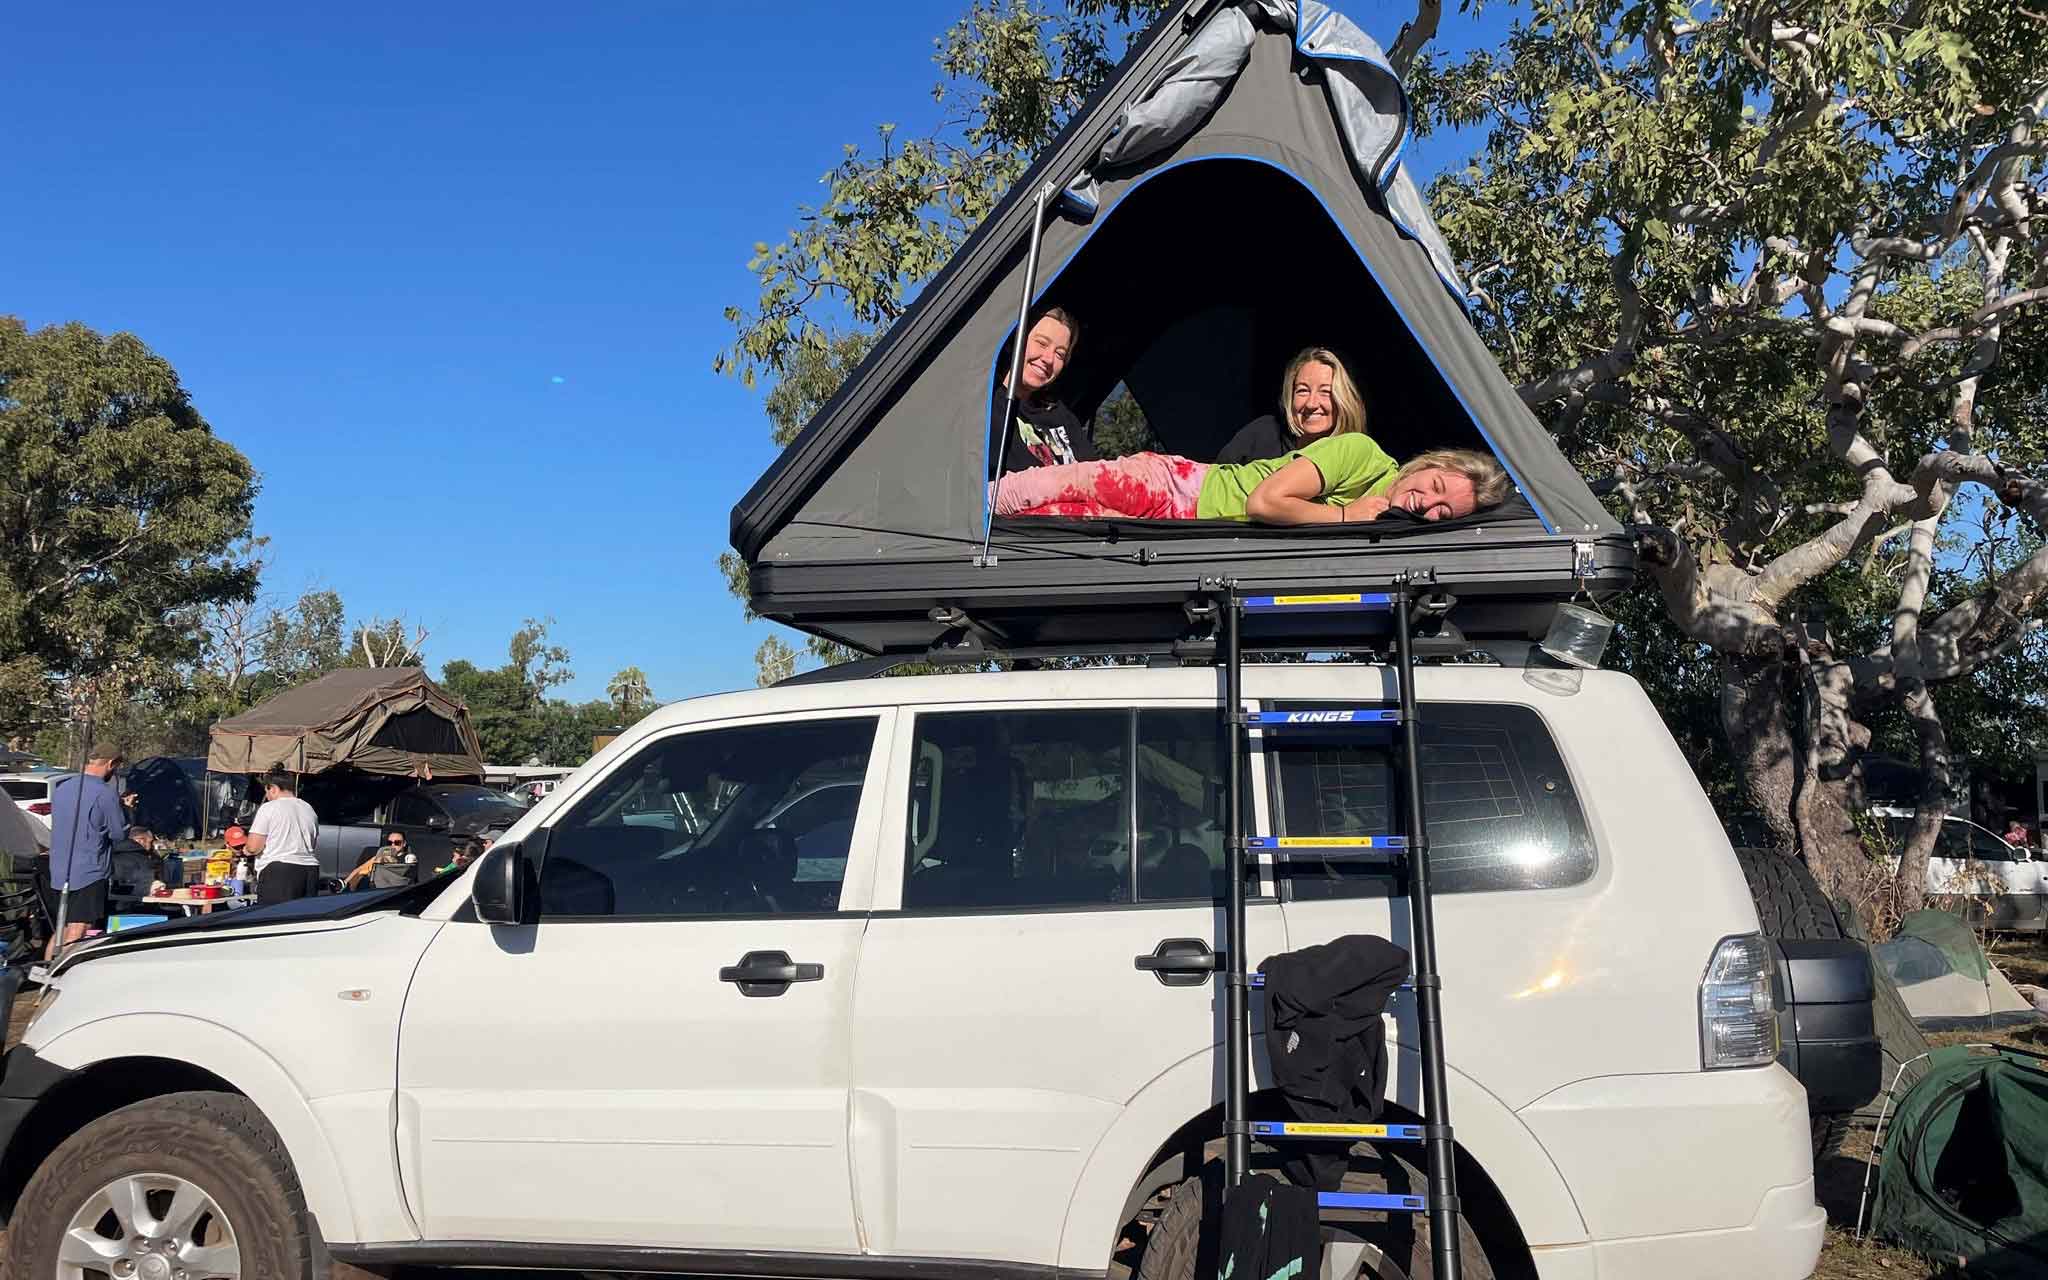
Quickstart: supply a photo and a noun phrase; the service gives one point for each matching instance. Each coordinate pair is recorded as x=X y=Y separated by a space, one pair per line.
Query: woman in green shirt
x=1336 y=480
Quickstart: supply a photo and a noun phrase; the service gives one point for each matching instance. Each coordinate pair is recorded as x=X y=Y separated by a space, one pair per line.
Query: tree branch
x=1415 y=35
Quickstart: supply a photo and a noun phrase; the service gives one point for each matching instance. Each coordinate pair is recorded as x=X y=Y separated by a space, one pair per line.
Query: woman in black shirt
x=1317 y=399
x=1043 y=431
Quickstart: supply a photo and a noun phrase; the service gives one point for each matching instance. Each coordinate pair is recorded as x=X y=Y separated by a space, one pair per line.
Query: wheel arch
x=189 y=1054
x=1512 y=1189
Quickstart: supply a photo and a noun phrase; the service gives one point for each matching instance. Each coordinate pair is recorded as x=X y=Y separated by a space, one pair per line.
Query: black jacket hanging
x=1269 y=1232
x=1325 y=1039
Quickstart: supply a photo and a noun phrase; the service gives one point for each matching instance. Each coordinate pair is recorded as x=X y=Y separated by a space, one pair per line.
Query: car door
x=661 y=1059
x=1039 y=857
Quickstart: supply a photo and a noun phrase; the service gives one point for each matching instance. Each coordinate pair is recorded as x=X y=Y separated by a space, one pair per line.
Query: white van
x=865 y=978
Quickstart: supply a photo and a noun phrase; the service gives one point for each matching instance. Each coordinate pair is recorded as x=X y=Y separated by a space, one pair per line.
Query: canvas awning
x=388 y=720
x=1233 y=195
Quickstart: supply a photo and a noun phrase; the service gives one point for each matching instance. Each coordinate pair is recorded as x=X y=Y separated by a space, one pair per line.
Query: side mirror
x=437 y=822
x=503 y=886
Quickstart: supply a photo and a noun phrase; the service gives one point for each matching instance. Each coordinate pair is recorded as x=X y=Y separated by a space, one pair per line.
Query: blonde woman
x=1338 y=479
x=1317 y=400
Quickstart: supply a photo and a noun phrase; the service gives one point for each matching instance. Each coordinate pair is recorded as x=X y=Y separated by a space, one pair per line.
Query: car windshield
x=22 y=789
x=482 y=803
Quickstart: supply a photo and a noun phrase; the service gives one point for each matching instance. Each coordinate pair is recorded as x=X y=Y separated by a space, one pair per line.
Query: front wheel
x=191 y=1186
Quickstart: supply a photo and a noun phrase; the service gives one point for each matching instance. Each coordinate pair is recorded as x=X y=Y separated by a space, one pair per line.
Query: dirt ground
x=1840 y=1180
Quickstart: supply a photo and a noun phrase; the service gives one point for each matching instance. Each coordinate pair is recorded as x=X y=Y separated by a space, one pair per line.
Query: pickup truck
x=432 y=815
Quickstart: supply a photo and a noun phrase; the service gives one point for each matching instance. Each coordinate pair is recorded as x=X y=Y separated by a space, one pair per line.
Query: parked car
x=31 y=792
x=353 y=820
x=1973 y=870
x=859 y=978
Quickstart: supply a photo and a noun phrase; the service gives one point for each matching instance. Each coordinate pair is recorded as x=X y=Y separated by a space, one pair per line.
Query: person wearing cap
x=86 y=822
x=283 y=837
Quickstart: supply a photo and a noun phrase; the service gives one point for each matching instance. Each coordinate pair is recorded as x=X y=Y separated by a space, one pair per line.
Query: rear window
x=26 y=790
x=1501 y=809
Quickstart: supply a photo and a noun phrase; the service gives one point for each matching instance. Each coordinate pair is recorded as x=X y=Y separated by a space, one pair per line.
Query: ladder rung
x=1258 y=979
x=1298 y=1129
x=1371 y=1200
x=1336 y=844
x=1341 y=602
x=1323 y=719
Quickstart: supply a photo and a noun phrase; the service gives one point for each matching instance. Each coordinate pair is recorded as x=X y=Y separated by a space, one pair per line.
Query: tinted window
x=484 y=803
x=1019 y=809
x=711 y=823
x=26 y=790
x=411 y=810
x=1040 y=808
x=1181 y=763
x=1500 y=807
x=1986 y=847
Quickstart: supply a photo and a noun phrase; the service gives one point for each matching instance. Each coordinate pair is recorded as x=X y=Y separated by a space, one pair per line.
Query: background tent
x=1945 y=978
x=21 y=837
x=1964 y=1174
x=166 y=796
x=389 y=720
x=1234 y=194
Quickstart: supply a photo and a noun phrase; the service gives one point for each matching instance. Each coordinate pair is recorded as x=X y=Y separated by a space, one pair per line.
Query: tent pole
x=984 y=558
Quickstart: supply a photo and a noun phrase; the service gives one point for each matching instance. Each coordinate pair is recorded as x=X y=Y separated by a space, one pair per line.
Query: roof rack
x=1316 y=623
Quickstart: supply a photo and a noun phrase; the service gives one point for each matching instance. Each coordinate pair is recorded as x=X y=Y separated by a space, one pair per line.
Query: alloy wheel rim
x=149 y=1226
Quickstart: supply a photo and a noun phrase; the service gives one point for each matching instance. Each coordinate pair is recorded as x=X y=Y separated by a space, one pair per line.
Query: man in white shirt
x=282 y=837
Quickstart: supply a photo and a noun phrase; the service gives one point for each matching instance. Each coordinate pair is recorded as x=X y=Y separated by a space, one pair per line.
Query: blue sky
x=452 y=274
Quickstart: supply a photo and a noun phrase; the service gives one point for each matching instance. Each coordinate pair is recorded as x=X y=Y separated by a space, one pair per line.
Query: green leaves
x=118 y=509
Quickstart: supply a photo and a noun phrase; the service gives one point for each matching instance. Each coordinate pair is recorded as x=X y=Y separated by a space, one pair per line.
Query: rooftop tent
x=383 y=720
x=1233 y=194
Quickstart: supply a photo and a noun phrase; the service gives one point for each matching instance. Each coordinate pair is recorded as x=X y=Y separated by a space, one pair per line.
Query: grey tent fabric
x=1194 y=84
x=1366 y=97
x=1245 y=160
x=21 y=837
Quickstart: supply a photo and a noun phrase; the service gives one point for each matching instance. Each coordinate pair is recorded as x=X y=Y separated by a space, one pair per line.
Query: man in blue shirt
x=86 y=821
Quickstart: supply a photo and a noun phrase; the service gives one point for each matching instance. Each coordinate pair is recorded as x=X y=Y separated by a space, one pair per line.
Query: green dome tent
x=1964 y=1174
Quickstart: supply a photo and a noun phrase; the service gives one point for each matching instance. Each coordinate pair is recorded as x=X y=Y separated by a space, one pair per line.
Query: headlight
x=1738 y=1008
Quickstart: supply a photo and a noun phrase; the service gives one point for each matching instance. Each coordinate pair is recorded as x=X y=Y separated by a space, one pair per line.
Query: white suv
x=843 y=978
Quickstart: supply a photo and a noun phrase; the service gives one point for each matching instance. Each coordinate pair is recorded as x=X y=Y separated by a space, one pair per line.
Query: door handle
x=768 y=973
x=1180 y=962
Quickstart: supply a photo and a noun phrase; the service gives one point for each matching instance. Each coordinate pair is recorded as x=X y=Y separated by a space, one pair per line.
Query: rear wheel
x=1182 y=1242
x=1790 y=904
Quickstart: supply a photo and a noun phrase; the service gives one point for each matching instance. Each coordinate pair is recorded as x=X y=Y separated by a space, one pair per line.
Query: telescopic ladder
x=1405 y=855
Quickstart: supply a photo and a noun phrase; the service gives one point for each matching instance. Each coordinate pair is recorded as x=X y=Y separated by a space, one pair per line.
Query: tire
x=213 y=1146
x=1183 y=1245
x=1790 y=904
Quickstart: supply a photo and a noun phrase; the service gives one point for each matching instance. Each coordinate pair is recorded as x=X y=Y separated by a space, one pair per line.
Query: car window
x=482 y=803
x=1501 y=809
x=1020 y=809
x=26 y=790
x=1986 y=847
x=699 y=824
x=411 y=810
x=1182 y=760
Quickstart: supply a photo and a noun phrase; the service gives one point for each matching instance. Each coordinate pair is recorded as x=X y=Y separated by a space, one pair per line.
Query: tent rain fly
x=1233 y=195
x=390 y=720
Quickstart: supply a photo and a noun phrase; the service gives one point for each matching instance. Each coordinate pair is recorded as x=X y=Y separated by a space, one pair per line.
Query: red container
x=204 y=891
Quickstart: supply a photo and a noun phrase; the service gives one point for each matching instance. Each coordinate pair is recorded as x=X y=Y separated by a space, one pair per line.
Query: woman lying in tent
x=1340 y=479
x=1317 y=400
